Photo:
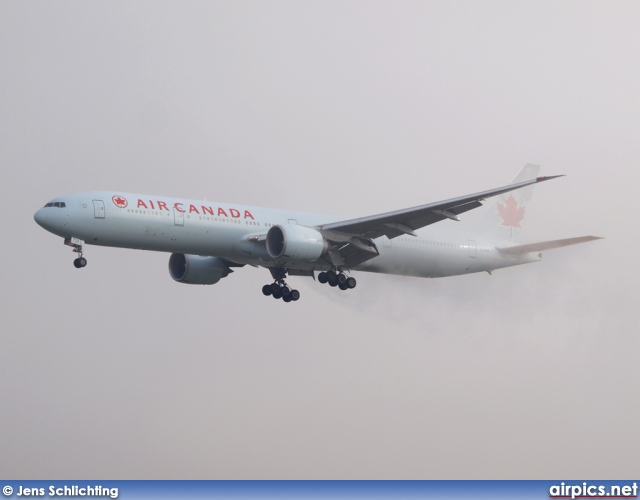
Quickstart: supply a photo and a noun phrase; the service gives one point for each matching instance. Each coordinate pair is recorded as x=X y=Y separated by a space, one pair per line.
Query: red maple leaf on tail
x=510 y=212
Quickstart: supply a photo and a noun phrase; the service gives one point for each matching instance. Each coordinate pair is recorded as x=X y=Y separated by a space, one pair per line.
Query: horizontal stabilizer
x=545 y=245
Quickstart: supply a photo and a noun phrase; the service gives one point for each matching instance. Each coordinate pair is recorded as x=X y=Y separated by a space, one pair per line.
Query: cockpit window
x=57 y=204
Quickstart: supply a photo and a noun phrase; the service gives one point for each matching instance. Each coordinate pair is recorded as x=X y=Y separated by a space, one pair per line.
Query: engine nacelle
x=295 y=243
x=197 y=269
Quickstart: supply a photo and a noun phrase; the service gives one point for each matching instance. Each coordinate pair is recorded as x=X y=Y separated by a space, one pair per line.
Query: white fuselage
x=228 y=231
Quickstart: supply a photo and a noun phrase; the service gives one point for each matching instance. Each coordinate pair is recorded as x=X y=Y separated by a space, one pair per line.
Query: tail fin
x=505 y=217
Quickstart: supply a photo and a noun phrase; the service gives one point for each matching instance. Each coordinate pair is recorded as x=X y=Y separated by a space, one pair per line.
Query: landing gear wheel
x=279 y=288
x=337 y=277
x=80 y=262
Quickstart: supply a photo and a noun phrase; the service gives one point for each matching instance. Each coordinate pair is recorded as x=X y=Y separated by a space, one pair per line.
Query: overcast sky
x=347 y=107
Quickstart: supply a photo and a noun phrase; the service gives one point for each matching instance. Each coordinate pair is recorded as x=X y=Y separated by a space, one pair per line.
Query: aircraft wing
x=393 y=224
x=545 y=245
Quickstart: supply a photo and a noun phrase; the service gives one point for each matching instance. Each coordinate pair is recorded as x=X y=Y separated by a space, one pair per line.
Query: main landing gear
x=338 y=279
x=279 y=288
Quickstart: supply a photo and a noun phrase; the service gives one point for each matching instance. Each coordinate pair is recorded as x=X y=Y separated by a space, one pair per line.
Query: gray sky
x=349 y=107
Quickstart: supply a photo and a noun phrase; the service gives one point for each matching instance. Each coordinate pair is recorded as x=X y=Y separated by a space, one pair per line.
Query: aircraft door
x=472 y=249
x=178 y=217
x=98 y=209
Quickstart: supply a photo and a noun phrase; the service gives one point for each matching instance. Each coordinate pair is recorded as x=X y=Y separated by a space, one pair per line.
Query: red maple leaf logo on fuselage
x=510 y=212
x=119 y=201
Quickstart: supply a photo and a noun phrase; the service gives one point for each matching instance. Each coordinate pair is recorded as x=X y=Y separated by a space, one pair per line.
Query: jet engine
x=295 y=243
x=197 y=269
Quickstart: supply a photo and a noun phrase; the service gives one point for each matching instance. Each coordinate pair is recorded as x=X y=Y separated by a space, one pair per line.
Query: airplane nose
x=41 y=217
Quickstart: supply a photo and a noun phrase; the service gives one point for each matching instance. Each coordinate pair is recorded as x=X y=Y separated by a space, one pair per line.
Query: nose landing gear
x=80 y=262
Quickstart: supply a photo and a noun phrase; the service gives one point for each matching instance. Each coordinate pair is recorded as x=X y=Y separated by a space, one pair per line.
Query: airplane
x=208 y=240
